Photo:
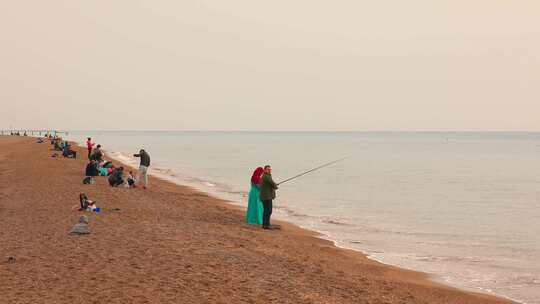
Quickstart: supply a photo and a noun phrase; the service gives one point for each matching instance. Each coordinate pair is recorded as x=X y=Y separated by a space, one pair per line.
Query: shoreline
x=123 y=158
x=320 y=271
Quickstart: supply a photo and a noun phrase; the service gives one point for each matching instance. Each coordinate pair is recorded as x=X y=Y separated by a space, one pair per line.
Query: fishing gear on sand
x=311 y=170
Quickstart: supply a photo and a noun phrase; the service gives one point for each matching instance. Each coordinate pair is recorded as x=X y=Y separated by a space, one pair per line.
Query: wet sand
x=170 y=244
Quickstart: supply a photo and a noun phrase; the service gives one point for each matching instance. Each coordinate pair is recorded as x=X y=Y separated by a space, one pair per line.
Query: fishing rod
x=311 y=170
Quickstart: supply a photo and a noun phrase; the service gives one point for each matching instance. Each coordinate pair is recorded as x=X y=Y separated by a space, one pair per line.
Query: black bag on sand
x=88 y=180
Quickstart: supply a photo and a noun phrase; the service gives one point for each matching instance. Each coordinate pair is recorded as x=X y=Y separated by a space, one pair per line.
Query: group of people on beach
x=261 y=196
x=60 y=145
x=98 y=166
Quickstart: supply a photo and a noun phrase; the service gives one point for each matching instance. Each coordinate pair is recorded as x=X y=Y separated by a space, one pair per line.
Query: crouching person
x=117 y=177
x=131 y=180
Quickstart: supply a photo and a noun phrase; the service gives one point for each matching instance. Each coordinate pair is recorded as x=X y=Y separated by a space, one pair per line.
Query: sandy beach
x=170 y=244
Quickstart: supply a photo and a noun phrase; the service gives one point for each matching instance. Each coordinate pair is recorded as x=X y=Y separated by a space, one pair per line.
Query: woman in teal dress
x=255 y=208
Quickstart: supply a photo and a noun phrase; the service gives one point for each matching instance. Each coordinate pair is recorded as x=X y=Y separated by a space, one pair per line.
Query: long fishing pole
x=311 y=170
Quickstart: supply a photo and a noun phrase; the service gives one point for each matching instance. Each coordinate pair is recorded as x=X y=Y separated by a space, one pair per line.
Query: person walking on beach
x=254 y=213
x=90 y=146
x=268 y=194
x=143 y=167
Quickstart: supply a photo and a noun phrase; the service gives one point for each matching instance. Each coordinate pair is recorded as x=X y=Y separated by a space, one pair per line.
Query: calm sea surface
x=464 y=207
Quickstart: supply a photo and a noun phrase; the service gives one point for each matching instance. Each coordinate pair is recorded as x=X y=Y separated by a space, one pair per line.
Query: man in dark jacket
x=268 y=194
x=91 y=169
x=117 y=177
x=143 y=167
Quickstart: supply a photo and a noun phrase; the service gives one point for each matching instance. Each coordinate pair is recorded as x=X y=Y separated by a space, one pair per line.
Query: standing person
x=254 y=214
x=268 y=194
x=143 y=167
x=97 y=155
x=90 y=146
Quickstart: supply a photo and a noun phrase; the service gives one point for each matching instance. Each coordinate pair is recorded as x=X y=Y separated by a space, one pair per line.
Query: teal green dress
x=255 y=208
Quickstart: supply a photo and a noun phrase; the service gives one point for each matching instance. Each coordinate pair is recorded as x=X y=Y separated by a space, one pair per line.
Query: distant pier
x=30 y=132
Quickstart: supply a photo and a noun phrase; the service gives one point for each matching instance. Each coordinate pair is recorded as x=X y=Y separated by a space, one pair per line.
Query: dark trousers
x=267 y=212
x=89 y=153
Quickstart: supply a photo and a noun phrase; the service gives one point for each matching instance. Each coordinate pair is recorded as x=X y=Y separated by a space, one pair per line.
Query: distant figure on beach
x=143 y=167
x=57 y=142
x=254 y=213
x=68 y=152
x=97 y=154
x=89 y=146
x=117 y=177
x=268 y=194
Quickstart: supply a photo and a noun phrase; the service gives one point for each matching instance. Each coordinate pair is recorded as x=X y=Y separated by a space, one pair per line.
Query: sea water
x=463 y=207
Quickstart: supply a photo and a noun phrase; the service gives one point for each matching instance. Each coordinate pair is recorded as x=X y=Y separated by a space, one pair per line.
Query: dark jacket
x=268 y=187
x=97 y=155
x=145 y=158
x=91 y=169
x=116 y=177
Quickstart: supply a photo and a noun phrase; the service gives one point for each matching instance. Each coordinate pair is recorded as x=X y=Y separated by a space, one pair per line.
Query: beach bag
x=88 y=180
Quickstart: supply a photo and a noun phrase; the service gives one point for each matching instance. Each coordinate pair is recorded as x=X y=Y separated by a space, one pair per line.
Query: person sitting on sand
x=103 y=171
x=57 y=144
x=68 y=152
x=143 y=167
x=254 y=213
x=116 y=178
x=92 y=169
x=86 y=204
x=131 y=180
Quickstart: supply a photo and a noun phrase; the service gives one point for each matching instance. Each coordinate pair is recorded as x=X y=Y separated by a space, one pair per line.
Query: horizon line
x=301 y=131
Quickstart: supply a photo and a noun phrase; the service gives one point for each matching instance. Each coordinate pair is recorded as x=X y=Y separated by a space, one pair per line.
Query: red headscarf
x=256 y=178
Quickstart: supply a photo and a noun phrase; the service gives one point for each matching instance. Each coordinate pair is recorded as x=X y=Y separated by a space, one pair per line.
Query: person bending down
x=131 y=180
x=116 y=178
x=143 y=167
x=92 y=169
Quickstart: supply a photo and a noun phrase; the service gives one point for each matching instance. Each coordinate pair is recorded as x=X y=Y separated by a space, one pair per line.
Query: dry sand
x=170 y=244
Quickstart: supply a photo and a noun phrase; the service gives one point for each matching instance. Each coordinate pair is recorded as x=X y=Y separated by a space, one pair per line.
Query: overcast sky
x=270 y=65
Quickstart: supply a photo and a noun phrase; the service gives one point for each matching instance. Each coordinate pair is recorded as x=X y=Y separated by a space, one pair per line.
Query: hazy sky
x=271 y=65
